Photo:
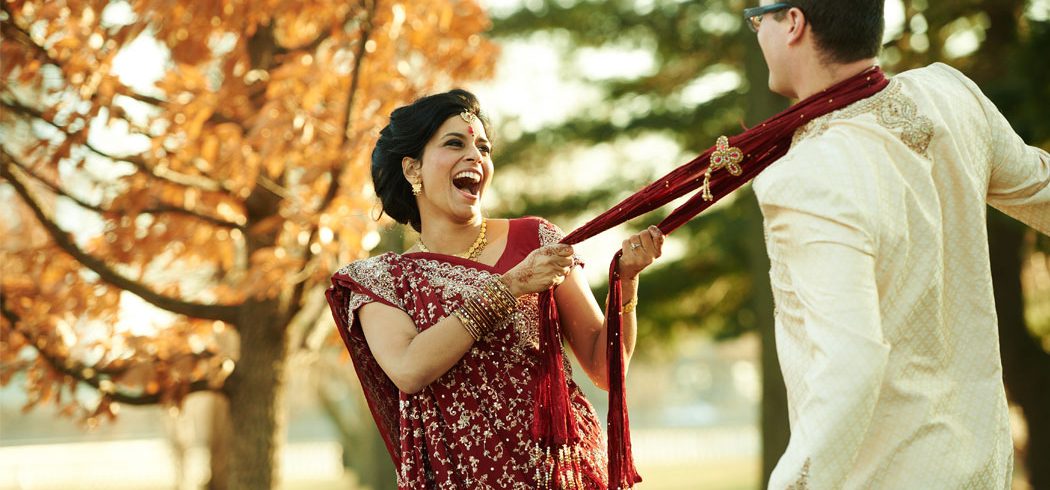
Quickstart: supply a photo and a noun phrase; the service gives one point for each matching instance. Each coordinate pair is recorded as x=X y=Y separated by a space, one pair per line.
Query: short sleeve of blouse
x=369 y=280
x=550 y=233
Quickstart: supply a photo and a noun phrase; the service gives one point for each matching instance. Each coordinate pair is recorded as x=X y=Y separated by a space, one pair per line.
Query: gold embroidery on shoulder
x=802 y=483
x=372 y=273
x=550 y=233
x=892 y=109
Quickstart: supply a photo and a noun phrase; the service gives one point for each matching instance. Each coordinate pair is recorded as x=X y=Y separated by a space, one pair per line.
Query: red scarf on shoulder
x=719 y=170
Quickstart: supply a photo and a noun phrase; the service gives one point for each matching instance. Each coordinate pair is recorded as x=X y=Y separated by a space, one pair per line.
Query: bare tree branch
x=337 y=171
x=303 y=331
x=148 y=99
x=226 y=313
x=76 y=370
x=12 y=30
x=161 y=173
x=105 y=211
x=366 y=34
x=216 y=117
x=310 y=46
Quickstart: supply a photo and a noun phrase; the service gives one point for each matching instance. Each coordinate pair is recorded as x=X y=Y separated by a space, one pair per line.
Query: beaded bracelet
x=487 y=309
x=629 y=307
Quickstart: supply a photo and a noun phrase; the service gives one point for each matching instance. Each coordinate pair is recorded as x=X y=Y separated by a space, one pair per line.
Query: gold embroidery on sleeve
x=802 y=483
x=372 y=273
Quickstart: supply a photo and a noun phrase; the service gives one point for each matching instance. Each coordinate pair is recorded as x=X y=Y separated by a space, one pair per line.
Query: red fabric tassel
x=622 y=473
x=761 y=146
x=553 y=424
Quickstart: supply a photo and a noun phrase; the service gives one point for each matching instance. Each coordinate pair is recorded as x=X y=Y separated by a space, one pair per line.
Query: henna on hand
x=516 y=280
x=556 y=250
x=543 y=268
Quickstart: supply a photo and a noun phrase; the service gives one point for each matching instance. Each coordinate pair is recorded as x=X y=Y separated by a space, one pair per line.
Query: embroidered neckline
x=893 y=110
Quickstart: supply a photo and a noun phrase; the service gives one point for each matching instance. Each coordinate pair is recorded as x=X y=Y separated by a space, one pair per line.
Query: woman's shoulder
x=535 y=222
x=376 y=266
x=548 y=232
x=370 y=279
x=539 y=231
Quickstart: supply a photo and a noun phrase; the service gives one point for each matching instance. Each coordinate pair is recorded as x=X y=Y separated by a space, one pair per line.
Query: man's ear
x=413 y=170
x=797 y=26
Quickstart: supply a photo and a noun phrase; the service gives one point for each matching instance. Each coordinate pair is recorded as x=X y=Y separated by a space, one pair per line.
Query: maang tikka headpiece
x=469 y=117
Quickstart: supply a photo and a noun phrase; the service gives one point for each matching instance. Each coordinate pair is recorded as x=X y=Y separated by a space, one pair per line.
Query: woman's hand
x=540 y=270
x=639 y=251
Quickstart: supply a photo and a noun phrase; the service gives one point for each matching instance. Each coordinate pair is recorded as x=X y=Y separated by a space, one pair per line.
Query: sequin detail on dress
x=471 y=427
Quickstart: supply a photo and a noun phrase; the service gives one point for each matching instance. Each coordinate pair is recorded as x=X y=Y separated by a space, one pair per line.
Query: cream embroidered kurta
x=885 y=321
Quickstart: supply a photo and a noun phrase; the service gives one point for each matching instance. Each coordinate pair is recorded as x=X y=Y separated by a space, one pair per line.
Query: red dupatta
x=716 y=172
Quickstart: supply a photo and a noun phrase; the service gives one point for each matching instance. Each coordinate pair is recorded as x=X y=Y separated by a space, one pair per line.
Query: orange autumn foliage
x=240 y=178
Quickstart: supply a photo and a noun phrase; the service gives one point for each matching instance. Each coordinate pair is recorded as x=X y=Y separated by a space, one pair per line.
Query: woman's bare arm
x=582 y=320
x=412 y=359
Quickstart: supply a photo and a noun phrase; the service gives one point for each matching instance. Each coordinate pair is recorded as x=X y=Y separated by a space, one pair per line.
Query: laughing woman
x=445 y=336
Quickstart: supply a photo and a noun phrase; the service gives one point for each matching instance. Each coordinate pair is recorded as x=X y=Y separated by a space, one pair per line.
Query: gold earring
x=417 y=188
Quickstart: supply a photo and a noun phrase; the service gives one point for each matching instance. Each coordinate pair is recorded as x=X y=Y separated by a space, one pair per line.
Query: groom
x=875 y=228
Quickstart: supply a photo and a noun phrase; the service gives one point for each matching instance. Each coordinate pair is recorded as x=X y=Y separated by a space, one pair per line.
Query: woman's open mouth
x=468 y=182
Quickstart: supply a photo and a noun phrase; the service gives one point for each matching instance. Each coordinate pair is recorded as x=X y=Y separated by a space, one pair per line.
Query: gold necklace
x=475 y=249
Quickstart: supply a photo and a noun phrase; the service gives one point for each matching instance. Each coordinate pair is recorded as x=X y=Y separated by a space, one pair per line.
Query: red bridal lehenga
x=472 y=427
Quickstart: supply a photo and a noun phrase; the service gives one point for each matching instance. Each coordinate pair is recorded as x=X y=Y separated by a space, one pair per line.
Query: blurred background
x=180 y=178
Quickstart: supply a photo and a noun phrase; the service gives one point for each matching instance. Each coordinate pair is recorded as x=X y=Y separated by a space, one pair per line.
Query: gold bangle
x=468 y=324
x=629 y=307
x=486 y=310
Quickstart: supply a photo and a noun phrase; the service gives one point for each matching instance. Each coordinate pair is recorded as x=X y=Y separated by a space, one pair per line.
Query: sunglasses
x=753 y=16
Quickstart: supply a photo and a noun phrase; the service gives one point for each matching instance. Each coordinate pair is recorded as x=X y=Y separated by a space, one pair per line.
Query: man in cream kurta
x=885 y=321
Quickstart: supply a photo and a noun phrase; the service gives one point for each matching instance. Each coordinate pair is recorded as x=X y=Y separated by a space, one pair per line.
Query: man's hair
x=846 y=30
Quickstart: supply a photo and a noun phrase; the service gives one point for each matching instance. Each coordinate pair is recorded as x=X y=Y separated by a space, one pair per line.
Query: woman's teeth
x=467 y=181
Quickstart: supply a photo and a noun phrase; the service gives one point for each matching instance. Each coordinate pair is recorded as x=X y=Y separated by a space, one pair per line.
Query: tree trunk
x=255 y=391
x=761 y=104
x=370 y=459
x=364 y=451
x=219 y=444
x=1026 y=366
